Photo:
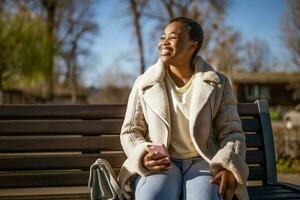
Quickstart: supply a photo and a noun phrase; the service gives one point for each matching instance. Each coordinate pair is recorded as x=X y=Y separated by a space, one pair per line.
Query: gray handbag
x=103 y=183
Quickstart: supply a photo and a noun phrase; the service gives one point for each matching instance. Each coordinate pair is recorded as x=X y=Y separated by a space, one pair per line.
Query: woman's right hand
x=156 y=162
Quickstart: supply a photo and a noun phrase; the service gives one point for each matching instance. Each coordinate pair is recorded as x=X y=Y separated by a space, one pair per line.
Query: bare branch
x=136 y=14
x=291 y=30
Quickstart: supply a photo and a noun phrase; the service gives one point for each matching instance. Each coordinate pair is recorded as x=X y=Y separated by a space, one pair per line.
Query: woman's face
x=175 y=45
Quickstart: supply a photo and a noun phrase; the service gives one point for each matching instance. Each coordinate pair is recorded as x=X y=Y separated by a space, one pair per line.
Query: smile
x=165 y=51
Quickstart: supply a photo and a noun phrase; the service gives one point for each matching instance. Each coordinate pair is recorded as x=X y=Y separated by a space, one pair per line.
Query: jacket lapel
x=201 y=93
x=154 y=91
x=156 y=98
x=205 y=81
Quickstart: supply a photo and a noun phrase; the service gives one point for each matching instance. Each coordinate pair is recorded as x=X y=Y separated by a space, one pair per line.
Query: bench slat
x=251 y=125
x=73 y=161
x=290 y=195
x=254 y=140
x=55 y=143
x=57 y=179
x=84 y=196
x=61 y=127
x=247 y=109
x=75 y=143
x=49 y=162
x=90 y=111
x=256 y=173
x=46 y=193
x=44 y=180
x=62 y=111
x=267 y=189
x=76 y=178
x=271 y=192
x=255 y=157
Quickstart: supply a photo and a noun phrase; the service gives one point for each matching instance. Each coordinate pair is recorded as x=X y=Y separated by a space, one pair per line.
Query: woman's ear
x=194 y=45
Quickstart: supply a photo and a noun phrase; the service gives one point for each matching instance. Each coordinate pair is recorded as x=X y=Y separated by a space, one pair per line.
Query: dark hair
x=194 y=29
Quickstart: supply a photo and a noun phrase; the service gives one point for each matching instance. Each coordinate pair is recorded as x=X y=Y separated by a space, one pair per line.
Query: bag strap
x=116 y=187
x=112 y=178
x=107 y=177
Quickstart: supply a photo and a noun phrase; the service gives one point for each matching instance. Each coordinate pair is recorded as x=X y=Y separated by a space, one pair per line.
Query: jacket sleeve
x=133 y=130
x=227 y=124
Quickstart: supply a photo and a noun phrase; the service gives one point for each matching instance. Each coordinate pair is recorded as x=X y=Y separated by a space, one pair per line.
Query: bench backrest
x=54 y=145
x=260 y=154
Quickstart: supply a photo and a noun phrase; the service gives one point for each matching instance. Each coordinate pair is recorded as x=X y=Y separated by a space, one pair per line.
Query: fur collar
x=155 y=73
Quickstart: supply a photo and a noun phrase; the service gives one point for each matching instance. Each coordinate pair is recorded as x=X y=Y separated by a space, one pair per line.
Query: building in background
x=279 y=88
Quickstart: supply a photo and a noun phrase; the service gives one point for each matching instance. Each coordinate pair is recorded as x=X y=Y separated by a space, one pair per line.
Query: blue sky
x=259 y=18
x=115 y=47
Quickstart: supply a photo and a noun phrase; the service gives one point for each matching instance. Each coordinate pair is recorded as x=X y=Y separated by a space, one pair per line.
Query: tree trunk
x=136 y=17
x=169 y=7
x=1 y=86
x=73 y=85
x=73 y=74
x=1 y=95
x=50 y=7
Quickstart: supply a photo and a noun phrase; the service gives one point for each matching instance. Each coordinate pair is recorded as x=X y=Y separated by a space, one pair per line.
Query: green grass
x=274 y=115
x=288 y=165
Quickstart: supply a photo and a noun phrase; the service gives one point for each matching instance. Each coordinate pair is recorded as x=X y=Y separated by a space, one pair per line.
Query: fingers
x=231 y=186
x=229 y=194
x=159 y=168
x=154 y=156
x=149 y=156
x=216 y=179
x=220 y=179
x=162 y=161
x=223 y=185
x=156 y=162
x=227 y=184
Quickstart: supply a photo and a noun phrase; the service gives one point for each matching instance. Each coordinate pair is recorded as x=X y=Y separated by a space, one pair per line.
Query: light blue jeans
x=188 y=177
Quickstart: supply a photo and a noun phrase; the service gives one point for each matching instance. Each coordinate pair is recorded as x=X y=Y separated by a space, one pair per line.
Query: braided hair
x=194 y=29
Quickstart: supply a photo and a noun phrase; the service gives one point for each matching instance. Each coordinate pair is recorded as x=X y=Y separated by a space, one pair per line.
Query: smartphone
x=160 y=148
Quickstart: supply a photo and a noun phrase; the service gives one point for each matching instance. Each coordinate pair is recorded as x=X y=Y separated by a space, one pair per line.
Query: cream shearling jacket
x=215 y=127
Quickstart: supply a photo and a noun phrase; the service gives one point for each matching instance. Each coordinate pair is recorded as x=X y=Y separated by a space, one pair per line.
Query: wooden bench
x=46 y=150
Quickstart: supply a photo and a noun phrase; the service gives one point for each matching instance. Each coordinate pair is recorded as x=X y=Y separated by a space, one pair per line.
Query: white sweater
x=181 y=145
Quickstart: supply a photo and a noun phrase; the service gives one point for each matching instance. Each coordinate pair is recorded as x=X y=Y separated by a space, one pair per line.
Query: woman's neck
x=181 y=74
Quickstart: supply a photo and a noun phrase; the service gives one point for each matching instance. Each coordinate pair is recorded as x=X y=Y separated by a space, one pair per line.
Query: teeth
x=165 y=51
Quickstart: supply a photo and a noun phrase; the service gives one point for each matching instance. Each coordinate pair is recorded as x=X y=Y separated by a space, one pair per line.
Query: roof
x=265 y=77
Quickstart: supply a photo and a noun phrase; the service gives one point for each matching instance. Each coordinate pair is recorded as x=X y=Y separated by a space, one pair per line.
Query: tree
x=50 y=6
x=210 y=14
x=291 y=30
x=136 y=8
x=257 y=55
x=24 y=48
x=69 y=25
x=79 y=25
x=226 y=50
x=36 y=35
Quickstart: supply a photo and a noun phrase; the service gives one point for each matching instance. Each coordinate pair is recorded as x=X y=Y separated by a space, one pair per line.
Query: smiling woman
x=176 y=50
x=183 y=104
x=181 y=35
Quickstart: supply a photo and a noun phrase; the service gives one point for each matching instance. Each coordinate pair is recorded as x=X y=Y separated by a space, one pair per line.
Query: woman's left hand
x=227 y=183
